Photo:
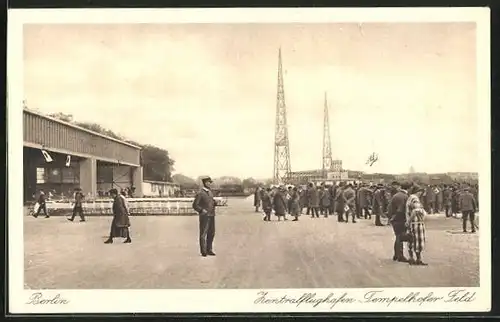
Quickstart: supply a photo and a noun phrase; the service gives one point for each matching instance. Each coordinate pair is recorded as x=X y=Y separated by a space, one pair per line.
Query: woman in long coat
x=294 y=204
x=121 y=222
x=257 y=199
x=415 y=214
x=280 y=203
x=324 y=201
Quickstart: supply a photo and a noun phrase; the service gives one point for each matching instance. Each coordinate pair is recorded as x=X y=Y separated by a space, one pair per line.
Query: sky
x=207 y=92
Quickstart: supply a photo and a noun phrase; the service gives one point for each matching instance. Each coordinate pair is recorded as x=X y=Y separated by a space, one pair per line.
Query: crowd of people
x=403 y=204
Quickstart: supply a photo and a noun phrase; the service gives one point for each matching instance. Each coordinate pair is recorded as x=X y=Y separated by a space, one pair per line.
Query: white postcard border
x=178 y=301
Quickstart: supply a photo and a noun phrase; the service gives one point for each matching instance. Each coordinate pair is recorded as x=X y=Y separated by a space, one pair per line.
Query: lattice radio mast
x=327 y=146
x=282 y=166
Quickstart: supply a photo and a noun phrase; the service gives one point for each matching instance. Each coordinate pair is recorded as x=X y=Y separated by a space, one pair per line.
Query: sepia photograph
x=313 y=164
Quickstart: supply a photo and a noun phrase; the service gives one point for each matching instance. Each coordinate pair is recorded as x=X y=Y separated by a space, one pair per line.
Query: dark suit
x=397 y=213
x=204 y=205
x=78 y=208
x=468 y=207
x=42 y=206
x=378 y=205
x=349 y=196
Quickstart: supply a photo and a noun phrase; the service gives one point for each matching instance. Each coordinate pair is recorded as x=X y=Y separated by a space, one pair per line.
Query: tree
x=250 y=183
x=157 y=163
x=63 y=117
x=184 y=181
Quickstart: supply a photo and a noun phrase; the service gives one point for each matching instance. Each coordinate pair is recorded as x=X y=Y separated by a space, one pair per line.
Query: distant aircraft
x=372 y=159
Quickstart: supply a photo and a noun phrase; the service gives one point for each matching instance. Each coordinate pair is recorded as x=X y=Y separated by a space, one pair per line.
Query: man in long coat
x=468 y=207
x=257 y=199
x=267 y=204
x=397 y=215
x=121 y=221
x=447 y=200
x=313 y=199
x=364 y=194
x=204 y=205
x=349 y=196
x=339 y=202
x=280 y=203
x=378 y=203
x=324 y=201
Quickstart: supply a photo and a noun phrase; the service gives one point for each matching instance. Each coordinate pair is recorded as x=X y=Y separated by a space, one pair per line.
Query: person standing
x=415 y=214
x=324 y=201
x=331 y=195
x=339 y=202
x=302 y=199
x=204 y=205
x=78 y=207
x=313 y=201
x=42 y=205
x=257 y=199
x=280 y=203
x=267 y=205
x=349 y=196
x=397 y=215
x=468 y=207
x=294 y=204
x=447 y=199
x=378 y=201
x=121 y=221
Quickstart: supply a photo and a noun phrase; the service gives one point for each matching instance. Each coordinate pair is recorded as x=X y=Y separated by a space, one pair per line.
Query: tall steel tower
x=327 y=146
x=282 y=166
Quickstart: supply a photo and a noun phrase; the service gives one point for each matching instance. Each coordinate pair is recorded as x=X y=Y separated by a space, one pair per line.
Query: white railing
x=137 y=206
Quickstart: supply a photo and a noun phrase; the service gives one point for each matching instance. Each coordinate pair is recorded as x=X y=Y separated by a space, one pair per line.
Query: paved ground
x=310 y=253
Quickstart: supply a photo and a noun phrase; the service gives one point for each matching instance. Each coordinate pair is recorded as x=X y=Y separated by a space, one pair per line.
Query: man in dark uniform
x=447 y=199
x=468 y=207
x=257 y=199
x=78 y=207
x=378 y=203
x=364 y=195
x=339 y=202
x=41 y=205
x=204 y=205
x=349 y=196
x=397 y=215
x=267 y=204
x=331 y=194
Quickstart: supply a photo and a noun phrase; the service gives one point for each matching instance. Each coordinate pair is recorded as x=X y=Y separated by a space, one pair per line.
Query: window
x=40 y=175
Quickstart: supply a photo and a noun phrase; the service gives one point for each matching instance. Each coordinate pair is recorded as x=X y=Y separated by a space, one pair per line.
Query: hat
x=113 y=191
x=417 y=188
x=206 y=179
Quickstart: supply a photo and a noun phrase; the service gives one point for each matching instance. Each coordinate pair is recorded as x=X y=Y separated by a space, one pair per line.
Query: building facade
x=59 y=156
x=159 y=189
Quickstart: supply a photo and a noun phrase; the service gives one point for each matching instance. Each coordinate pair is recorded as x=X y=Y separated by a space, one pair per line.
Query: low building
x=59 y=157
x=160 y=189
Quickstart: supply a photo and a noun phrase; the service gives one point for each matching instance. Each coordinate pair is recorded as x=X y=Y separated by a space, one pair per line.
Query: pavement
x=251 y=253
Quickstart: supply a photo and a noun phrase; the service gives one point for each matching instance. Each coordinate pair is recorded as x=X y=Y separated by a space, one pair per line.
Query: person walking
x=42 y=205
x=121 y=221
x=78 y=207
x=204 y=205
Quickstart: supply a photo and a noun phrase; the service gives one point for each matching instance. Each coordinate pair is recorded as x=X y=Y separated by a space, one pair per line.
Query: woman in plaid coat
x=415 y=215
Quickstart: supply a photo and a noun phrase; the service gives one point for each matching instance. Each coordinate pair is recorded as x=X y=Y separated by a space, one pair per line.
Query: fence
x=137 y=206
